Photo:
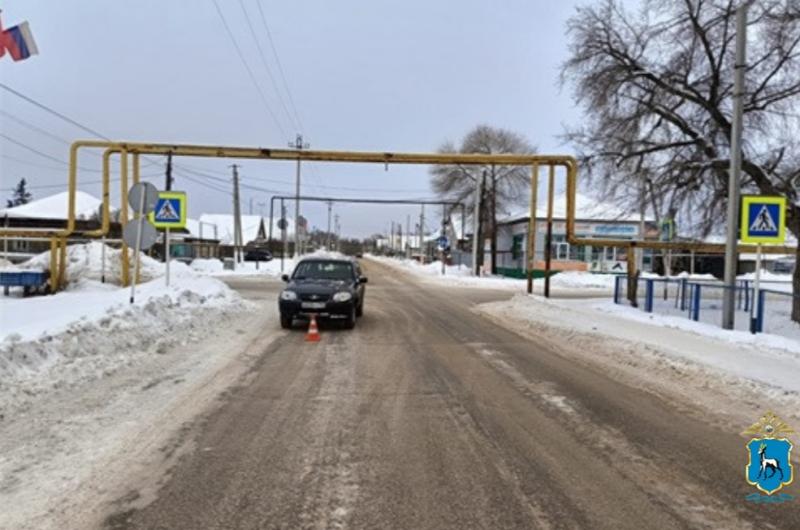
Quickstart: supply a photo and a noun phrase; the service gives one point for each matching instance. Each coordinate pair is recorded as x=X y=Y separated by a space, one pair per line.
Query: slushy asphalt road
x=428 y=416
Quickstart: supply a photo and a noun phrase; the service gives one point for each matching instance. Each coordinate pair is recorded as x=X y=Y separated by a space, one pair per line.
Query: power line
x=33 y=127
x=247 y=67
x=264 y=62
x=61 y=116
x=36 y=151
x=53 y=112
x=29 y=163
x=278 y=62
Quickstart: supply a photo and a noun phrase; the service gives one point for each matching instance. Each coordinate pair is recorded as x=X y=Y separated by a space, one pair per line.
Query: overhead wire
x=280 y=66
x=53 y=112
x=249 y=70
x=61 y=116
x=266 y=66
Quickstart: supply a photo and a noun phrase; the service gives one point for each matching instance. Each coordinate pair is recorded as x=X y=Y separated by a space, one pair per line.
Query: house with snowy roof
x=49 y=212
x=255 y=231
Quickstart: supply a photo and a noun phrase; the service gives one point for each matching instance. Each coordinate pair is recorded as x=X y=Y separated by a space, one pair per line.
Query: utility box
x=227 y=264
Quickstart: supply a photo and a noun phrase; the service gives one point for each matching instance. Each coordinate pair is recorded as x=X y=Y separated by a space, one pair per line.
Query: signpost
x=666 y=232
x=169 y=212
x=142 y=198
x=763 y=221
x=444 y=245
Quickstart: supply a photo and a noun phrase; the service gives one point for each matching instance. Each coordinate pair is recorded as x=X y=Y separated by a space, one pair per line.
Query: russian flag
x=18 y=40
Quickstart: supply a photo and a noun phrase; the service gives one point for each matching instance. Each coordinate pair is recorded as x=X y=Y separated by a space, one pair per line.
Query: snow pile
x=215 y=267
x=582 y=280
x=462 y=275
x=770 y=361
x=90 y=330
x=85 y=262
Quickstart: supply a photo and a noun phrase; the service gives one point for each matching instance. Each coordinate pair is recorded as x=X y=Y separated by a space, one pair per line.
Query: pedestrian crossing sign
x=763 y=219
x=170 y=210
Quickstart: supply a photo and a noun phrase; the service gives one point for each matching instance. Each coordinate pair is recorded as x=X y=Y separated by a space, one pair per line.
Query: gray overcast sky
x=392 y=75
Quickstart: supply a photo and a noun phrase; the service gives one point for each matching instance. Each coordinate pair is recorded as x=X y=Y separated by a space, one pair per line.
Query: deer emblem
x=768 y=463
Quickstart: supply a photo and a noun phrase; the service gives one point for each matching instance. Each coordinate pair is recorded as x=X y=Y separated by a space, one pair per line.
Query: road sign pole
x=754 y=308
x=138 y=243
x=731 y=258
x=166 y=250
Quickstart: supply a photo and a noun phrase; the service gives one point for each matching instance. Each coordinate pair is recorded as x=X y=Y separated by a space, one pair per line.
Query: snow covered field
x=85 y=376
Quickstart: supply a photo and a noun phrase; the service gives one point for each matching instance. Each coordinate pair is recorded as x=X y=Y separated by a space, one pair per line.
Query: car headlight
x=288 y=295
x=344 y=296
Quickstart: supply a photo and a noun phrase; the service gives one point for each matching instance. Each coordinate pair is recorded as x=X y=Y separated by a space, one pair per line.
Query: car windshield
x=323 y=270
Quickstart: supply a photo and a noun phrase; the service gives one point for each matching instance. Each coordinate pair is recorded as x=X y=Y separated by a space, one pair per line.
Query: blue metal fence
x=701 y=301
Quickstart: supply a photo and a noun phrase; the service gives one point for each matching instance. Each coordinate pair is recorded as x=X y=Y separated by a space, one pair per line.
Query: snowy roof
x=224 y=222
x=586 y=207
x=55 y=207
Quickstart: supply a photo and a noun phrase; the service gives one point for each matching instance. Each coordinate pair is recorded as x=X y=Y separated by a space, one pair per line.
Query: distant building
x=595 y=220
x=49 y=213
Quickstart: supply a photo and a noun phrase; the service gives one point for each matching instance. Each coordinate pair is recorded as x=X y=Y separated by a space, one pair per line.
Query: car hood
x=317 y=286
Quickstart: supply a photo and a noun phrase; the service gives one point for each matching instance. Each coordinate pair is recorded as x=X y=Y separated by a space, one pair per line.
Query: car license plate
x=313 y=305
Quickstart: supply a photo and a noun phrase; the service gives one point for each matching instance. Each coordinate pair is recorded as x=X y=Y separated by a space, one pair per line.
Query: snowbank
x=215 y=267
x=462 y=275
x=770 y=363
x=85 y=262
x=90 y=329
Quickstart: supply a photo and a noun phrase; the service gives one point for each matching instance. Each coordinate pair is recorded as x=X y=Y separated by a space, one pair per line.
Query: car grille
x=314 y=297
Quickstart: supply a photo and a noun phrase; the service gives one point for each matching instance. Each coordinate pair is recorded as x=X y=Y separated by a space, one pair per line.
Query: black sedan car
x=327 y=287
x=257 y=254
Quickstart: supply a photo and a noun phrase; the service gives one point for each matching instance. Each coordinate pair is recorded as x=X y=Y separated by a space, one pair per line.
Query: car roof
x=344 y=259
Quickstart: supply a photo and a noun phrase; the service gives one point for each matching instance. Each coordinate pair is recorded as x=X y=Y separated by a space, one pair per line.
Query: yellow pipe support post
x=548 y=248
x=62 y=262
x=531 y=254
x=106 y=221
x=123 y=183
x=138 y=279
x=53 y=265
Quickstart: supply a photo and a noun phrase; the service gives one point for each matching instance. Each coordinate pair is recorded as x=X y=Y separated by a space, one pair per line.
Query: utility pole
x=338 y=235
x=237 y=217
x=168 y=175
x=330 y=207
x=476 y=224
x=299 y=145
x=422 y=232
x=283 y=234
x=251 y=206
x=408 y=237
x=734 y=177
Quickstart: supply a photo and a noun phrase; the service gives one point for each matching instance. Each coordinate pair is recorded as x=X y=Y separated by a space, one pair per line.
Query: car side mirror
x=285 y=277
x=362 y=279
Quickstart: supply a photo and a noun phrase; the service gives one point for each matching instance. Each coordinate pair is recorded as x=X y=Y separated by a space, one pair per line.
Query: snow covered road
x=429 y=416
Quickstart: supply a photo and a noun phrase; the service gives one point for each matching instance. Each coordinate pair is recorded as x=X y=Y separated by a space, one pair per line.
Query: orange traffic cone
x=313 y=331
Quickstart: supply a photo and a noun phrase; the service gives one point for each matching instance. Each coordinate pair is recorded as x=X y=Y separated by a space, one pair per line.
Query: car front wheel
x=350 y=323
x=286 y=322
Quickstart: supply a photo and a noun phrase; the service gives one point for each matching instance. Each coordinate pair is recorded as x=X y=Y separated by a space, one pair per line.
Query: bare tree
x=505 y=185
x=657 y=91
